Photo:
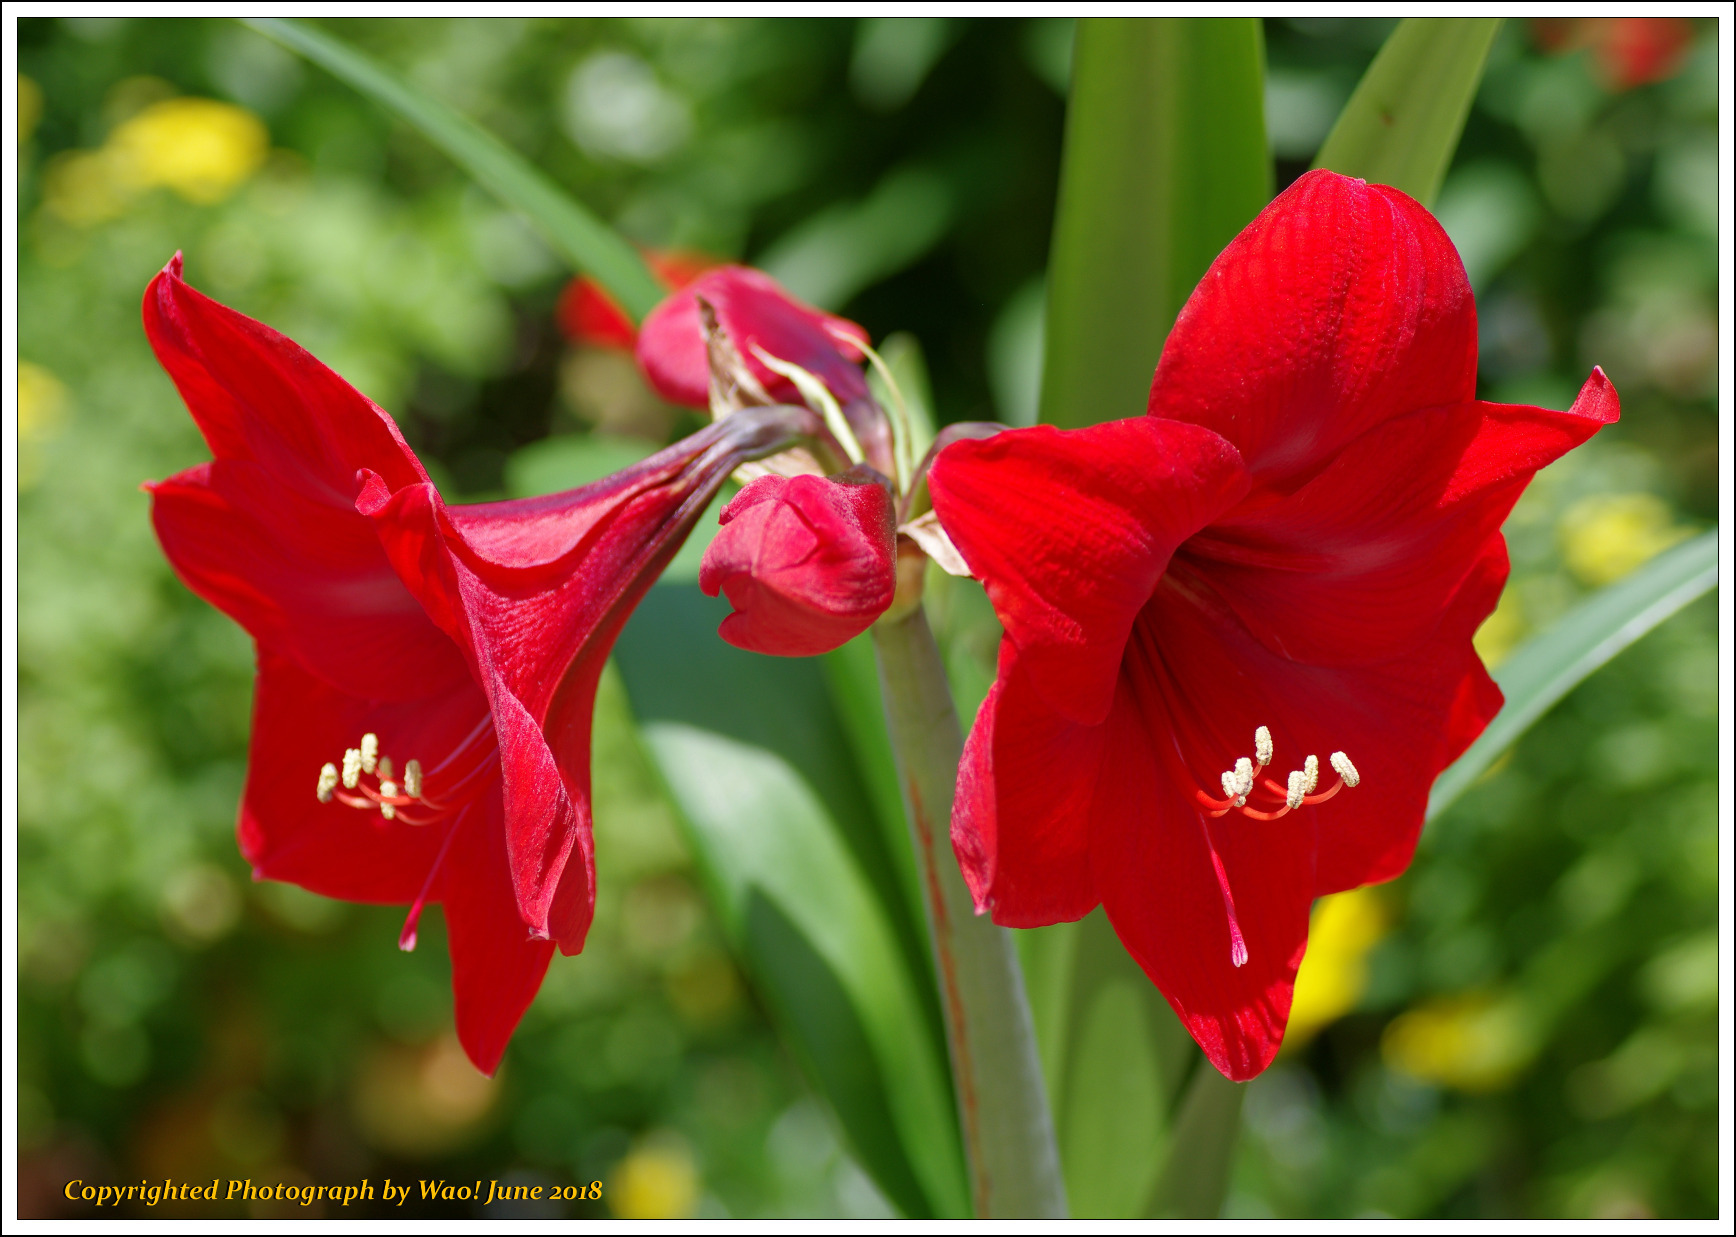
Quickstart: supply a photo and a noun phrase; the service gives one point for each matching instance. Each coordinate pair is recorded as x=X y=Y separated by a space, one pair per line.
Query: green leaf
x=1196 y=1176
x=1114 y=1058
x=783 y=827
x=591 y=245
x=1402 y=124
x=1165 y=161
x=1548 y=666
x=853 y=680
x=567 y=461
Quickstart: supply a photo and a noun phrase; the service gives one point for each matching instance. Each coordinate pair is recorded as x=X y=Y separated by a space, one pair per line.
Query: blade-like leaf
x=853 y=680
x=1165 y=161
x=1548 y=666
x=784 y=831
x=1402 y=124
x=1196 y=1175
x=591 y=245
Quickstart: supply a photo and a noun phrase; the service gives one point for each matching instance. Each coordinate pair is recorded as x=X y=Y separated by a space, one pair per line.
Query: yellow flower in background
x=1608 y=535
x=29 y=108
x=42 y=402
x=1501 y=630
x=200 y=148
x=1475 y=1042
x=1334 y=972
x=656 y=1182
x=42 y=405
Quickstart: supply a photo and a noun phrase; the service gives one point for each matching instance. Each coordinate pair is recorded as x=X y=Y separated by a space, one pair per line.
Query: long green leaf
x=782 y=823
x=1402 y=124
x=1548 y=666
x=591 y=245
x=1196 y=1175
x=1165 y=161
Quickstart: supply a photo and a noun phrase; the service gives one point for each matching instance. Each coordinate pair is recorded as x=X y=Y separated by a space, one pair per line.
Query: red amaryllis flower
x=1284 y=561
x=589 y=315
x=1628 y=51
x=433 y=666
x=807 y=562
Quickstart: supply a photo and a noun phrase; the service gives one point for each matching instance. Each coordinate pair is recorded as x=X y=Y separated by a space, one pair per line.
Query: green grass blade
x=1548 y=666
x=1165 y=161
x=1402 y=125
x=591 y=244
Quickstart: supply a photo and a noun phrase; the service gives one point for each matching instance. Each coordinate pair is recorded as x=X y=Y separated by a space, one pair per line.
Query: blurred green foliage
x=1536 y=1033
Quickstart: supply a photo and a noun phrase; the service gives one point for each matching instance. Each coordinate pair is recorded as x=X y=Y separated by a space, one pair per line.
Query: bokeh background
x=1524 y=1024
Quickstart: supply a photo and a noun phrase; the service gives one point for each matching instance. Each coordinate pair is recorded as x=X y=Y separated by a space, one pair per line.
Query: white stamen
x=370 y=752
x=1298 y=788
x=384 y=767
x=413 y=779
x=387 y=790
x=1228 y=781
x=1311 y=769
x=1346 y=770
x=1263 y=746
x=328 y=781
x=1244 y=776
x=352 y=767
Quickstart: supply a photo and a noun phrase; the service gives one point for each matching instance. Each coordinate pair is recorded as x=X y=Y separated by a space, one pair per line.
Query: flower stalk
x=1009 y=1135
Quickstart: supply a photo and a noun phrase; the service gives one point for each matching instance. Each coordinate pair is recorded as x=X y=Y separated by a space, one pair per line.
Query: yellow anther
x=387 y=790
x=413 y=779
x=1298 y=789
x=1263 y=746
x=328 y=782
x=384 y=767
x=1346 y=770
x=352 y=767
x=370 y=752
x=1311 y=770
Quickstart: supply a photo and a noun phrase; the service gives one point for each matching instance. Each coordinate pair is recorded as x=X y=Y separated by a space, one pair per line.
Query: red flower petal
x=1157 y=861
x=1070 y=531
x=1357 y=566
x=1342 y=305
x=496 y=966
x=754 y=310
x=305 y=578
x=589 y=315
x=1021 y=817
x=806 y=561
x=258 y=395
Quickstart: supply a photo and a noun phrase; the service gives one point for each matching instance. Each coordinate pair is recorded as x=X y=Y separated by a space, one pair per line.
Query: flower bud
x=753 y=309
x=807 y=562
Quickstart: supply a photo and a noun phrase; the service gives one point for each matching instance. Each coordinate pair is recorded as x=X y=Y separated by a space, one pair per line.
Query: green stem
x=1009 y=1137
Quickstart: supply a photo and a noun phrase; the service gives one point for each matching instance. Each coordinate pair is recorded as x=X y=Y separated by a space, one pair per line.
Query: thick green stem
x=1009 y=1137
